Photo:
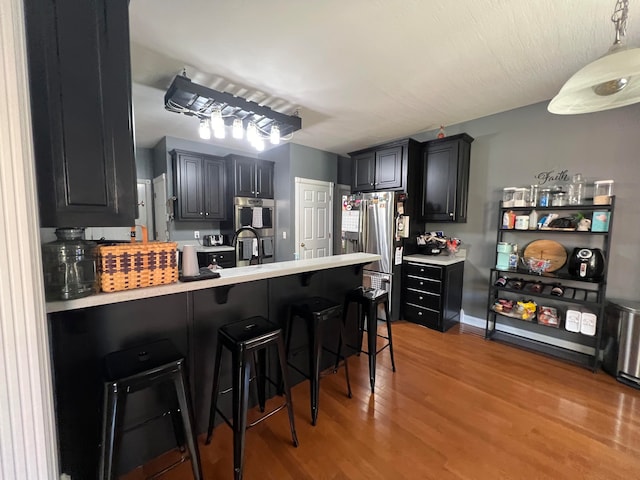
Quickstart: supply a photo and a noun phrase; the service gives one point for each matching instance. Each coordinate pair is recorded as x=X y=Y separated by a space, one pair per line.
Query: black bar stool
x=134 y=369
x=368 y=300
x=247 y=340
x=316 y=311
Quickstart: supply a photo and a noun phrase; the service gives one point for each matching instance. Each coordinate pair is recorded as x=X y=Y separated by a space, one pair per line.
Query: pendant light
x=609 y=82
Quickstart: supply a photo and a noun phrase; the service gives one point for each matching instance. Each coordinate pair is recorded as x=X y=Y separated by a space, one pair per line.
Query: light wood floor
x=458 y=407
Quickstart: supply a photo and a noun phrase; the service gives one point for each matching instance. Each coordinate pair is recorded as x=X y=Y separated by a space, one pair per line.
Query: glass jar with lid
x=69 y=265
x=576 y=190
x=545 y=197
x=520 y=197
x=507 y=196
x=559 y=199
x=602 y=192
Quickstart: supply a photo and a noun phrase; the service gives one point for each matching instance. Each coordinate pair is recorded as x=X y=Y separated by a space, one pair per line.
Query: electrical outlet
x=196 y=234
x=284 y=234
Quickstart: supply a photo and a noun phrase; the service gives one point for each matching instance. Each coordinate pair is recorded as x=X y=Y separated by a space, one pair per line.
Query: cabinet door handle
x=200 y=213
x=207 y=213
x=371 y=184
x=451 y=214
x=257 y=193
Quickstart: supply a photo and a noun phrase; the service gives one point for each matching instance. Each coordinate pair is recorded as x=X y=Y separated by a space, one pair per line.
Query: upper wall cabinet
x=200 y=186
x=446 y=179
x=385 y=167
x=80 y=86
x=250 y=177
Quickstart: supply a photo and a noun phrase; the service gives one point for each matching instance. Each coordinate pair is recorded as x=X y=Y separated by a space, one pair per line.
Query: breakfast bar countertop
x=229 y=276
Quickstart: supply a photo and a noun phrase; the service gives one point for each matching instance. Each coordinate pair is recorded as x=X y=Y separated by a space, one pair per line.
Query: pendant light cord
x=619 y=19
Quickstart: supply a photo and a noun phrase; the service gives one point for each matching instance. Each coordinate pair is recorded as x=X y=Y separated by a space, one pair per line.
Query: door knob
x=302 y=245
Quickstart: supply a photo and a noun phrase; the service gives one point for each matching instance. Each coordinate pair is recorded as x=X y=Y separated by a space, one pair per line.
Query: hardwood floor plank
x=458 y=408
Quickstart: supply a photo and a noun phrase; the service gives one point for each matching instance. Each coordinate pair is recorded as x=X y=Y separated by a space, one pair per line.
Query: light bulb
x=205 y=129
x=252 y=132
x=238 y=131
x=259 y=144
x=217 y=123
x=275 y=135
x=219 y=132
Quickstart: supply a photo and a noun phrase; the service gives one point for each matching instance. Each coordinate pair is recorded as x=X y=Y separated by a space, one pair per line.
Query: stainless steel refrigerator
x=368 y=225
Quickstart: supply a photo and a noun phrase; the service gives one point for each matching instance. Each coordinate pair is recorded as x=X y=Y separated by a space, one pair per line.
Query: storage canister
x=559 y=199
x=602 y=192
x=534 y=193
x=522 y=222
x=69 y=265
x=520 y=197
x=545 y=197
x=507 y=196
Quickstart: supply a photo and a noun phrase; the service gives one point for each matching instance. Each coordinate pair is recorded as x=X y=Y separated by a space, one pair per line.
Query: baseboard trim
x=473 y=321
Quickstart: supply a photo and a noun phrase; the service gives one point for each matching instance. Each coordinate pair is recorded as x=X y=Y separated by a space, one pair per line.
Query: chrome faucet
x=255 y=233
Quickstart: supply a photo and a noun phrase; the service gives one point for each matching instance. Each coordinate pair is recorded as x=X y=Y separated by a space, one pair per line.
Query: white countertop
x=230 y=276
x=441 y=259
x=202 y=248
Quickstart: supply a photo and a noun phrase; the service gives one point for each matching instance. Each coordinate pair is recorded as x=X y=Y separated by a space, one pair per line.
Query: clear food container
x=520 y=197
x=602 y=192
x=507 y=196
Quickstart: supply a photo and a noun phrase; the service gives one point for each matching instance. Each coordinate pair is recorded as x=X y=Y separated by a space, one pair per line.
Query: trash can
x=621 y=341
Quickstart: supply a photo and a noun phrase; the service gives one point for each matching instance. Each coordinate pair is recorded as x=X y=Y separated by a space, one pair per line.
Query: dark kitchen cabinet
x=432 y=294
x=200 y=186
x=446 y=179
x=382 y=168
x=250 y=177
x=80 y=89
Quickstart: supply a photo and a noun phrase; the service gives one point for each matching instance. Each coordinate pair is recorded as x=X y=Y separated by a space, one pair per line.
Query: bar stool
x=368 y=300
x=316 y=311
x=132 y=370
x=247 y=340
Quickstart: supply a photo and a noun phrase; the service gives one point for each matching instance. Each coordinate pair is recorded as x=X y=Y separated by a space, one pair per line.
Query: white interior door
x=160 y=211
x=314 y=218
x=145 y=207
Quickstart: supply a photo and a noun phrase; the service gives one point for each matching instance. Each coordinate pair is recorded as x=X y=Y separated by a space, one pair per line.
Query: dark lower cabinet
x=200 y=186
x=80 y=90
x=432 y=294
x=446 y=179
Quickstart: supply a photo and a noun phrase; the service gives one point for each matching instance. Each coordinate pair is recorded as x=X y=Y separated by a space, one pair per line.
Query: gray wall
x=293 y=161
x=511 y=148
x=144 y=163
x=162 y=164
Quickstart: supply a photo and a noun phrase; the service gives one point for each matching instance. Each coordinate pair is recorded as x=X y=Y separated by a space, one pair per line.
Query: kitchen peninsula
x=84 y=330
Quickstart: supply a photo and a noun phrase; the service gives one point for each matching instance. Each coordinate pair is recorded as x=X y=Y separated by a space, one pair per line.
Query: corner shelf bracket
x=305 y=278
x=222 y=294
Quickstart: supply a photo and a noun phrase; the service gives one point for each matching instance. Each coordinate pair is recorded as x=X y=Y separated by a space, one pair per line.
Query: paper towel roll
x=190 y=266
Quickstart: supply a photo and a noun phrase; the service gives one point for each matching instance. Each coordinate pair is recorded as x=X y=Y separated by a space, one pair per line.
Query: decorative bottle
x=576 y=190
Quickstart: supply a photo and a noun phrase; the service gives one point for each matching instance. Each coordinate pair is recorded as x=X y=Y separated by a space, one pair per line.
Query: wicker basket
x=137 y=264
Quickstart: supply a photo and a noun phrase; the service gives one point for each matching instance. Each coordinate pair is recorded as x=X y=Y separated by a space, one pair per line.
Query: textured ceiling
x=362 y=72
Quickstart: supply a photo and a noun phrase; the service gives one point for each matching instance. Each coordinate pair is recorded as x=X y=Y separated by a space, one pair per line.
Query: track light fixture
x=217 y=110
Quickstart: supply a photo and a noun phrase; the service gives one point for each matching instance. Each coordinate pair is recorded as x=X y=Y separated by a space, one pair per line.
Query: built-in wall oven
x=257 y=213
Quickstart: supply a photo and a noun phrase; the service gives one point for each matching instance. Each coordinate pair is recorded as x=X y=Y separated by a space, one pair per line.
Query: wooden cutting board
x=548 y=250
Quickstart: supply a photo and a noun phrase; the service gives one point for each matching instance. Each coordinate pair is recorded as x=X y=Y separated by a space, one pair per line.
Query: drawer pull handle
x=421 y=283
x=420 y=313
x=421 y=298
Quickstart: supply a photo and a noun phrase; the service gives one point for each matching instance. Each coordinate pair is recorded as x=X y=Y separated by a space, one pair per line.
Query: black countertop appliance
x=586 y=263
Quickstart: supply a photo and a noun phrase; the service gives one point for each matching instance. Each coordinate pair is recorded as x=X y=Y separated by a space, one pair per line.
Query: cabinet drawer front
x=423 y=299
x=423 y=284
x=422 y=316
x=423 y=270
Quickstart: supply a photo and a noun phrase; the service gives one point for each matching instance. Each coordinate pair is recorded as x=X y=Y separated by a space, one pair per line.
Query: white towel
x=255 y=247
x=256 y=222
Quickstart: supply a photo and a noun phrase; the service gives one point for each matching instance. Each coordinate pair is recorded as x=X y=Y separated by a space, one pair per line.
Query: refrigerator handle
x=363 y=226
